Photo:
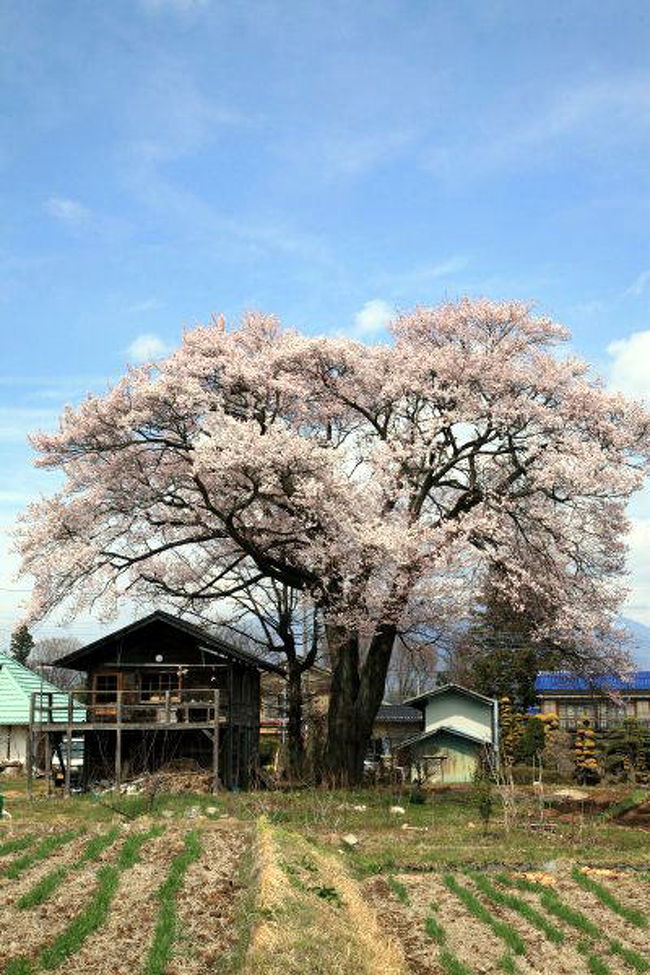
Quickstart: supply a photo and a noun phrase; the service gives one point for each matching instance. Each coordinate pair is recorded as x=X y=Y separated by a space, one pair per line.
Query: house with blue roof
x=604 y=701
x=17 y=685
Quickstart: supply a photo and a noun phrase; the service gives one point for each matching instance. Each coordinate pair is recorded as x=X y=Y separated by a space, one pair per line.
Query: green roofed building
x=17 y=684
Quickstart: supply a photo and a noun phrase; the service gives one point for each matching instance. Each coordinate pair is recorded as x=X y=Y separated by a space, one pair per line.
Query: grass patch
x=44 y=888
x=86 y=923
x=536 y=918
x=552 y=903
x=502 y=929
x=20 y=966
x=93 y=915
x=435 y=930
x=42 y=851
x=49 y=883
x=634 y=798
x=507 y=964
x=166 y=930
x=605 y=896
x=595 y=964
x=451 y=965
x=400 y=891
x=629 y=956
x=15 y=846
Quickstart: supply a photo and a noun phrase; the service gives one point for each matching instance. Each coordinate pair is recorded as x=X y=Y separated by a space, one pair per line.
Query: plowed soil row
x=480 y=950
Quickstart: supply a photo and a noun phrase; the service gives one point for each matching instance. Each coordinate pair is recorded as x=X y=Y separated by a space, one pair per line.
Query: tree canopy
x=384 y=480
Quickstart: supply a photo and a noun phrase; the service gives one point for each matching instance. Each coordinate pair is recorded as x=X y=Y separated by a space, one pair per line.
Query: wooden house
x=459 y=727
x=160 y=690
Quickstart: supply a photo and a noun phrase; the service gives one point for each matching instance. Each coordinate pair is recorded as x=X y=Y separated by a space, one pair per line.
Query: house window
x=105 y=688
x=154 y=685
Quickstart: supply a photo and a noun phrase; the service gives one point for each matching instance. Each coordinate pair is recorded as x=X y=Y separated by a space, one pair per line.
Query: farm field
x=323 y=882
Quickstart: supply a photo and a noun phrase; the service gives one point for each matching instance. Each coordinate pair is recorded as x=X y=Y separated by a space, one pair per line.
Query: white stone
x=350 y=840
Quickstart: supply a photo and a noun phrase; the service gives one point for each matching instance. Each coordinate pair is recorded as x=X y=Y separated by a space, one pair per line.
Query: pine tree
x=626 y=752
x=505 y=659
x=22 y=644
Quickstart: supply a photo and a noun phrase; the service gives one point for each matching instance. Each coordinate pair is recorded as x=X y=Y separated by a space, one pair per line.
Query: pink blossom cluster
x=385 y=480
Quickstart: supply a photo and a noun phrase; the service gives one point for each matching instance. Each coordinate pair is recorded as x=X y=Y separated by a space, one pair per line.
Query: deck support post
x=118 y=742
x=48 y=763
x=68 y=746
x=215 y=745
x=30 y=746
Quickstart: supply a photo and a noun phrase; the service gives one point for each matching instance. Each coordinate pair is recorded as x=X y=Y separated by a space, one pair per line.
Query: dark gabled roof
x=398 y=713
x=434 y=691
x=444 y=729
x=211 y=643
x=562 y=680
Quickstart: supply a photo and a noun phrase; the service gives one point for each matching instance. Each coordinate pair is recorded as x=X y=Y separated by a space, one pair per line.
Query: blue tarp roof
x=638 y=680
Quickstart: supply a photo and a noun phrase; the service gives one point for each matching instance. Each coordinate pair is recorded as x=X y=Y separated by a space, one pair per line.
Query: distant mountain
x=640 y=647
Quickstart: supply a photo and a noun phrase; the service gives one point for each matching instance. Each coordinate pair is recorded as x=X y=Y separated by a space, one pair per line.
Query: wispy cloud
x=629 y=369
x=146 y=348
x=606 y=111
x=422 y=275
x=373 y=317
x=640 y=284
x=17 y=424
x=147 y=304
x=68 y=211
x=353 y=153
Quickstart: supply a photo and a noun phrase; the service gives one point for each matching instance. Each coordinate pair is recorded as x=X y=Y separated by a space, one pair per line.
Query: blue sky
x=328 y=161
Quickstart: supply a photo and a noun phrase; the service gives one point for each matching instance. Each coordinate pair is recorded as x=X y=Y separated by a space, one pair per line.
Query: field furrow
x=207 y=902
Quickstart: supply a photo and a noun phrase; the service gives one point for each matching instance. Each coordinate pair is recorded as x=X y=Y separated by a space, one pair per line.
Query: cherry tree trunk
x=356 y=693
x=295 y=740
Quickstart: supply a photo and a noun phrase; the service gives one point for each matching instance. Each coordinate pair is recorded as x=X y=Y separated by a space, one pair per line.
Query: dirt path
x=207 y=904
x=315 y=919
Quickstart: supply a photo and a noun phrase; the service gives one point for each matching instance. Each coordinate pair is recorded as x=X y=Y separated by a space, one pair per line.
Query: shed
x=460 y=725
x=161 y=689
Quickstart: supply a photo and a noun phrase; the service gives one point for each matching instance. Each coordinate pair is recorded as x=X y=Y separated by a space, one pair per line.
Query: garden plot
x=135 y=899
x=490 y=922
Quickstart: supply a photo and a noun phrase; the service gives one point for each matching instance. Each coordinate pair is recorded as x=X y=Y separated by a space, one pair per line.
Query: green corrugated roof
x=17 y=683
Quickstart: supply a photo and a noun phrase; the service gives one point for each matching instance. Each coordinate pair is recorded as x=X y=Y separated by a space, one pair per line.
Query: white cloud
x=373 y=317
x=147 y=347
x=640 y=284
x=629 y=370
x=67 y=211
